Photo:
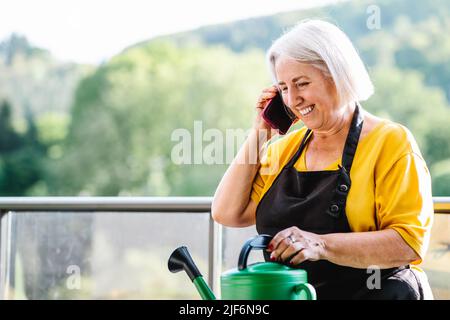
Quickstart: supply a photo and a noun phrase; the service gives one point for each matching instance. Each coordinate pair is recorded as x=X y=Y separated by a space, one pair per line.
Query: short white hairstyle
x=326 y=47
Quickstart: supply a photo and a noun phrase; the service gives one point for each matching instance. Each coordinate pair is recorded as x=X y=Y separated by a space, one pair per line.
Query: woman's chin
x=311 y=124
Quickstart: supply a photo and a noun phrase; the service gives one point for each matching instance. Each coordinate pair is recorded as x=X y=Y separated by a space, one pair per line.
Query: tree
x=119 y=141
x=21 y=155
x=9 y=138
x=403 y=96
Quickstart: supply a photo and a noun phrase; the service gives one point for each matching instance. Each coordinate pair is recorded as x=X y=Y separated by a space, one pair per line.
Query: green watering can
x=258 y=281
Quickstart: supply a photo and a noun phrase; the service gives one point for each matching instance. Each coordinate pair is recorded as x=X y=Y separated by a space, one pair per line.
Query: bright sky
x=92 y=30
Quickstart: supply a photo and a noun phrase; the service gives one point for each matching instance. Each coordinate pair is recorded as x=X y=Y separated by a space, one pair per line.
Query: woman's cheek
x=310 y=95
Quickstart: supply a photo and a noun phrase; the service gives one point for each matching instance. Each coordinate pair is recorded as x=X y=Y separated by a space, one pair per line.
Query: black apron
x=315 y=201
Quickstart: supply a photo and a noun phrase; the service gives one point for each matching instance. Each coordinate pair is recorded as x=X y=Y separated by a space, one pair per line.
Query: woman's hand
x=263 y=101
x=294 y=246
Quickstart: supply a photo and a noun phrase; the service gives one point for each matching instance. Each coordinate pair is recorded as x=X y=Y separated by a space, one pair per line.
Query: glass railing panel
x=103 y=255
x=437 y=261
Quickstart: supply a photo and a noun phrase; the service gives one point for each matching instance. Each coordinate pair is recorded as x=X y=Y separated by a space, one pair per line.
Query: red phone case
x=270 y=122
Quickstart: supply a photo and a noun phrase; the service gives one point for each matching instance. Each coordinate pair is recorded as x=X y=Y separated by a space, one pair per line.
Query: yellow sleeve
x=404 y=202
x=257 y=189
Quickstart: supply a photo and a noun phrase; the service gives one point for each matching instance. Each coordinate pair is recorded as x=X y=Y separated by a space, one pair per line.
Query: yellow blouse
x=391 y=184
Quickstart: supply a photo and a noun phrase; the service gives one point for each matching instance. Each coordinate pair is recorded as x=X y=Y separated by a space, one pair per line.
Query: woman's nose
x=294 y=98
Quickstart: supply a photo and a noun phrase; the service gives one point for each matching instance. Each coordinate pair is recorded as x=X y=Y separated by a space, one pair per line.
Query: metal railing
x=441 y=205
x=200 y=205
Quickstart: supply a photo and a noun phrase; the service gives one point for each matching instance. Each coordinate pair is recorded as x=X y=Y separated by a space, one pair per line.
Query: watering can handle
x=257 y=242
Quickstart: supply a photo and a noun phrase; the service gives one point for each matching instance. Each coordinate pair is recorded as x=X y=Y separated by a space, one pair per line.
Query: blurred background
x=91 y=93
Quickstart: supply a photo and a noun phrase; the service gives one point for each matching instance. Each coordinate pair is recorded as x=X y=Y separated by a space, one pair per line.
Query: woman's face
x=308 y=93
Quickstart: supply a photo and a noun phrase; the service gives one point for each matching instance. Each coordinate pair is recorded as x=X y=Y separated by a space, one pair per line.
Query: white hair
x=326 y=47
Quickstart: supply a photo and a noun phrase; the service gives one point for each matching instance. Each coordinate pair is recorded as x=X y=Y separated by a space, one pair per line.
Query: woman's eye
x=283 y=89
x=302 y=84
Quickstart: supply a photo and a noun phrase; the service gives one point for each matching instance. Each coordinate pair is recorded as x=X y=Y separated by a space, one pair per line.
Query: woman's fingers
x=280 y=237
x=295 y=245
x=267 y=94
x=273 y=89
x=289 y=252
x=263 y=100
x=292 y=250
x=281 y=247
x=293 y=253
x=299 y=257
x=286 y=247
x=291 y=245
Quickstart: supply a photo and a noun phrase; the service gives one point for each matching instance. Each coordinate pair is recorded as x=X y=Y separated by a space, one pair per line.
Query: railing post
x=215 y=256
x=2 y=259
x=5 y=255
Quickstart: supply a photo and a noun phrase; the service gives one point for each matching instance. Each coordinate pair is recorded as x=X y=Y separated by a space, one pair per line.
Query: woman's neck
x=337 y=133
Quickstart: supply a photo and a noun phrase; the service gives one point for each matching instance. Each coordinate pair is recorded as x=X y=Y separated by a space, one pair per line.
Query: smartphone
x=278 y=115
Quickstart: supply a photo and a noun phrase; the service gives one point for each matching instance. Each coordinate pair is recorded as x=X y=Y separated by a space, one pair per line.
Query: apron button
x=334 y=208
x=343 y=188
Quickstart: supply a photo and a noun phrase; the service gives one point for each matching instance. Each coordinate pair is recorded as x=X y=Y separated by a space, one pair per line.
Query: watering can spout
x=180 y=260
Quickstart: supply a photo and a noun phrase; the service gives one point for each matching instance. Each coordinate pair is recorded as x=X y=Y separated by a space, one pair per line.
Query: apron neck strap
x=300 y=149
x=352 y=139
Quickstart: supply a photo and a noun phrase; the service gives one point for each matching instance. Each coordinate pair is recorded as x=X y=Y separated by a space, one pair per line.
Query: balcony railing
x=84 y=237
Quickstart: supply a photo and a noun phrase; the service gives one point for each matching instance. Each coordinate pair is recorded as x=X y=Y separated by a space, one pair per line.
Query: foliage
x=116 y=139
x=128 y=110
x=31 y=79
x=21 y=155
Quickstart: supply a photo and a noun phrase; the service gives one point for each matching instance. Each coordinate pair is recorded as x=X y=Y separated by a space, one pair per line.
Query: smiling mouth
x=307 y=110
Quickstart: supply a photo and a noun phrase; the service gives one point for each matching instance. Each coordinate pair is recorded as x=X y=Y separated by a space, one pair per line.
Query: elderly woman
x=348 y=196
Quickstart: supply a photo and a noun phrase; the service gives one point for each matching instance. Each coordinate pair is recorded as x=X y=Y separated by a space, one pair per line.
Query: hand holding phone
x=278 y=115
